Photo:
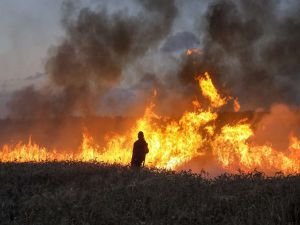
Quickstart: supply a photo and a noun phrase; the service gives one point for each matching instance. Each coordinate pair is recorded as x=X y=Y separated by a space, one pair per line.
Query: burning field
x=221 y=97
x=174 y=144
x=213 y=85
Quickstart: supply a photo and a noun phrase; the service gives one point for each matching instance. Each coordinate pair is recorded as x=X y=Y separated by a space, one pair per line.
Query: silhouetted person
x=140 y=149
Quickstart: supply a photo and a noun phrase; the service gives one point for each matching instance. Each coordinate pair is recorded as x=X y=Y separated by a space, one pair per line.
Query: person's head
x=140 y=135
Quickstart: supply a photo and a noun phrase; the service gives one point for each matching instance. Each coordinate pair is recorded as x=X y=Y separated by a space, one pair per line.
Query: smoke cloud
x=251 y=48
x=97 y=47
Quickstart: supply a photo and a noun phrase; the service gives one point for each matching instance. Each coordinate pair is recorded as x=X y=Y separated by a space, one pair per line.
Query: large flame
x=173 y=143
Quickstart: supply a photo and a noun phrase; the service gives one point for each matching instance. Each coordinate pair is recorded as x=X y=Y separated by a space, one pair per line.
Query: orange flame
x=173 y=143
x=193 y=51
x=236 y=105
x=209 y=91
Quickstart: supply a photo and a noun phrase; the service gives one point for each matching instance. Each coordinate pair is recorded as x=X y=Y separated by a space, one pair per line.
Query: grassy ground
x=81 y=193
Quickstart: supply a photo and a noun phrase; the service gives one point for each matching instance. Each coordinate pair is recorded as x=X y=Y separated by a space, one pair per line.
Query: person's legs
x=136 y=163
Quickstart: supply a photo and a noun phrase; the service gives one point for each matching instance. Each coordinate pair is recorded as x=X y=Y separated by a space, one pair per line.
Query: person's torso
x=140 y=148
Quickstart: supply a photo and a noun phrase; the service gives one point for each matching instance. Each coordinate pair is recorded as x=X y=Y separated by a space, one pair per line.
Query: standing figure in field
x=140 y=149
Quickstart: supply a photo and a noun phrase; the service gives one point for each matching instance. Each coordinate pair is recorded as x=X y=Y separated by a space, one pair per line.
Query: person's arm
x=133 y=153
x=146 y=148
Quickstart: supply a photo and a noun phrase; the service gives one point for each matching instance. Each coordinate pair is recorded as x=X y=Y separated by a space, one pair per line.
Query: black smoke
x=251 y=48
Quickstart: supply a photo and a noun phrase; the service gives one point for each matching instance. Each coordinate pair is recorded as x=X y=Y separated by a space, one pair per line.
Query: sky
x=27 y=29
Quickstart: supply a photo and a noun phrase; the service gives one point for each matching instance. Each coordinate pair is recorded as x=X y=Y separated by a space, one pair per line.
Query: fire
x=232 y=147
x=236 y=105
x=209 y=91
x=173 y=143
x=193 y=51
x=294 y=142
x=30 y=152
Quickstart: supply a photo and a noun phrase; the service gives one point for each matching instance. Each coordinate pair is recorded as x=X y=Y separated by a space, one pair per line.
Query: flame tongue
x=209 y=91
x=176 y=142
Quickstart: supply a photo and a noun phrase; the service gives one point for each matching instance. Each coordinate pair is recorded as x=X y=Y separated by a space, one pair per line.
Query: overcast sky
x=27 y=29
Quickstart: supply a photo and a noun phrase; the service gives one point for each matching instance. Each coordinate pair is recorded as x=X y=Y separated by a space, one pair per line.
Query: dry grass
x=87 y=193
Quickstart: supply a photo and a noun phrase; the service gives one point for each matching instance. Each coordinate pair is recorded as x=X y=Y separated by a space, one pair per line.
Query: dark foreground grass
x=86 y=193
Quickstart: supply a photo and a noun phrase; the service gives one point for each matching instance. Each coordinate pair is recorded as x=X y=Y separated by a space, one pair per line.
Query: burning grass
x=93 y=193
x=175 y=142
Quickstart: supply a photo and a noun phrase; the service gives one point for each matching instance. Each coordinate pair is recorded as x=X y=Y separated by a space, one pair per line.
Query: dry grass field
x=93 y=193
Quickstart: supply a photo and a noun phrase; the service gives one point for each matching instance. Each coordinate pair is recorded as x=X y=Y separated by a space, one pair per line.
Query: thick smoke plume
x=252 y=48
x=97 y=47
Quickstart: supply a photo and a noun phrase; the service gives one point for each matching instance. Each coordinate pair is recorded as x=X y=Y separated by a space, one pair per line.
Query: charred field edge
x=95 y=193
